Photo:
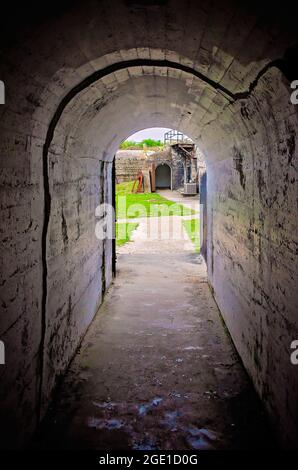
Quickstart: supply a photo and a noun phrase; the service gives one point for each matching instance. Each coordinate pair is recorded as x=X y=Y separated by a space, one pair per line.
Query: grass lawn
x=131 y=206
x=123 y=232
x=124 y=188
x=192 y=228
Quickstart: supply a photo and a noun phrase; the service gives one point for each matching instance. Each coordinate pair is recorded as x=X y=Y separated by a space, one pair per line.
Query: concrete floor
x=157 y=369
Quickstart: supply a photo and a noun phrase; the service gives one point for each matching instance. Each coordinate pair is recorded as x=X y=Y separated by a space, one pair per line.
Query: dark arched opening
x=163 y=176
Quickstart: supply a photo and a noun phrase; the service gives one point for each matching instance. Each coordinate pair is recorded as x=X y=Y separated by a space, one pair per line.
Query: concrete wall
x=78 y=271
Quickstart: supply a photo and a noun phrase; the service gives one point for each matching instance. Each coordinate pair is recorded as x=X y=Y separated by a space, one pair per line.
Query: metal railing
x=176 y=137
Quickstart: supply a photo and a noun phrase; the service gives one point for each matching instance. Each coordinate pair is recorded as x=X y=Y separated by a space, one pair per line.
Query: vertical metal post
x=114 y=256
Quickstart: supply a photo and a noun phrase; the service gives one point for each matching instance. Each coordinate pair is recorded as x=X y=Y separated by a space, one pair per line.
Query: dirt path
x=157 y=369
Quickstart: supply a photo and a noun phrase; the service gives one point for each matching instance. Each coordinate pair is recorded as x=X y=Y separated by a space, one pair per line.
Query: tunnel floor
x=157 y=369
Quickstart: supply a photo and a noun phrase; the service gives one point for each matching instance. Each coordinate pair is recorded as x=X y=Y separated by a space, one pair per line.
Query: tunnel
x=163 y=176
x=80 y=77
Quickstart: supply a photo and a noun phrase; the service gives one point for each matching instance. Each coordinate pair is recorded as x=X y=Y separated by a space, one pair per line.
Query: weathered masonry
x=80 y=77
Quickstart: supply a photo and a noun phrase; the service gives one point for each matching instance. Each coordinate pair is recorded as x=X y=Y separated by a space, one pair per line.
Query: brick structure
x=129 y=163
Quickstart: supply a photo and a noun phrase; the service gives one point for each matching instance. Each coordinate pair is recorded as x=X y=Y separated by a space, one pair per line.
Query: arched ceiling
x=227 y=42
x=121 y=103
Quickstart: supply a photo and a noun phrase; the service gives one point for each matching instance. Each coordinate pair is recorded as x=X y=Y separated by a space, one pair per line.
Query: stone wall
x=129 y=163
x=252 y=240
x=77 y=83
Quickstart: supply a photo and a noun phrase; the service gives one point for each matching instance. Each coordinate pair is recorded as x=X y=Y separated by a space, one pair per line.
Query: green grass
x=149 y=143
x=192 y=228
x=124 y=188
x=124 y=232
x=129 y=206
